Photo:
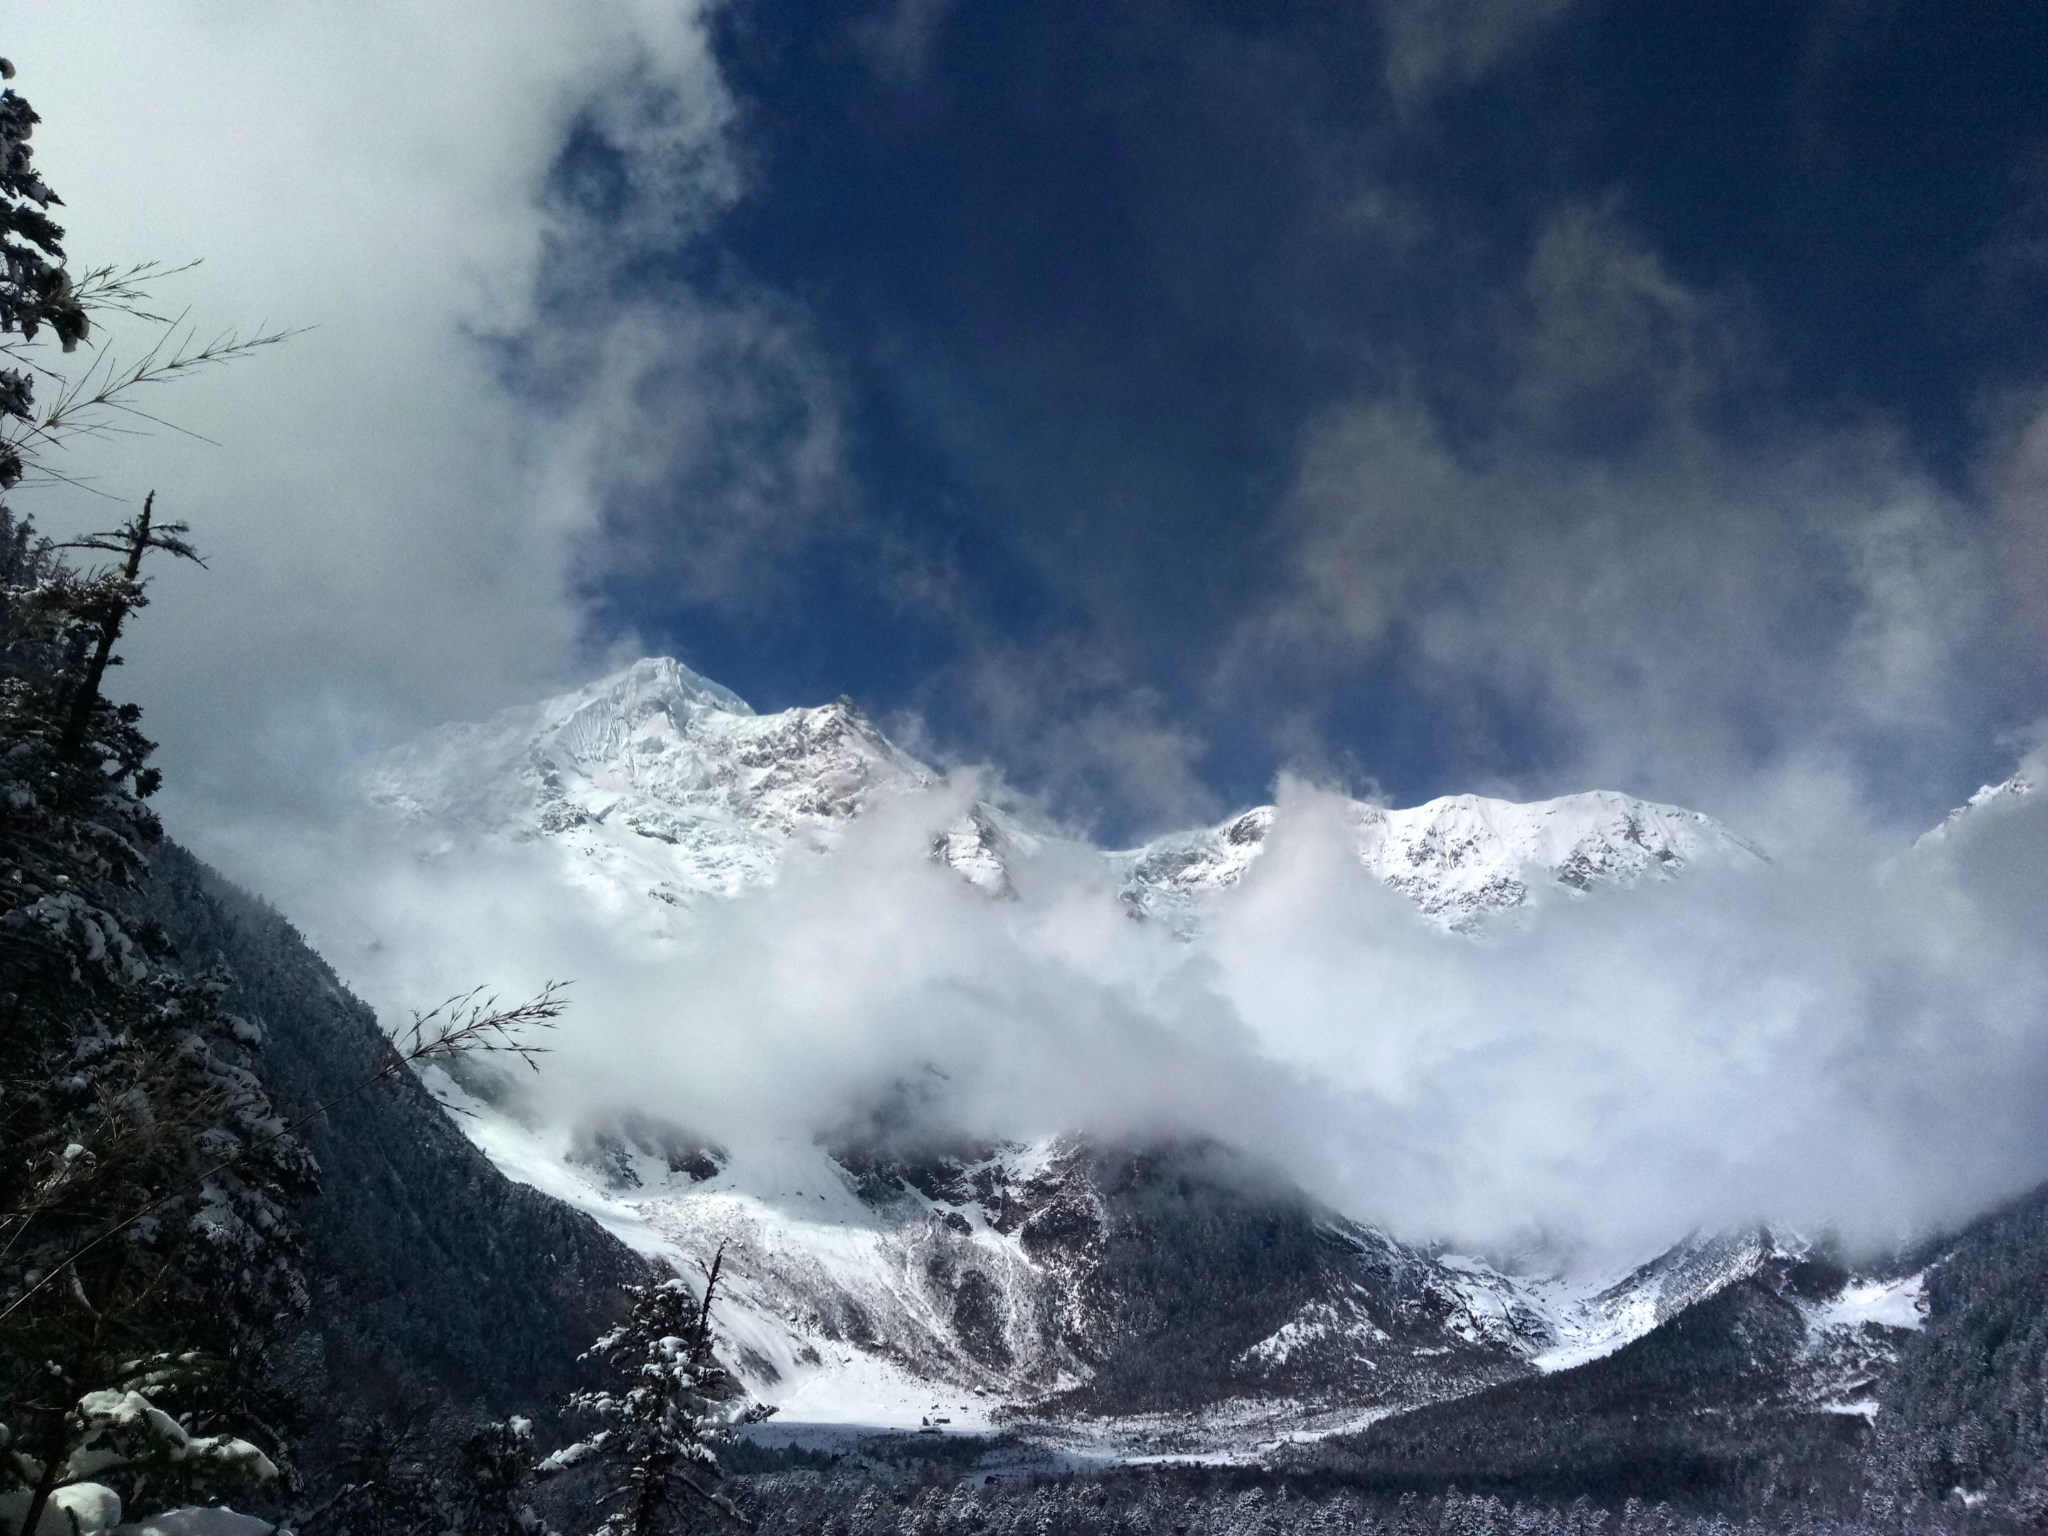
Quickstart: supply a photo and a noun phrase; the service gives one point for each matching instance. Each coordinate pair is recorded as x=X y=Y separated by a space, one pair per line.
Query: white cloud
x=1066 y=718
x=396 y=534
x=1432 y=45
x=897 y=39
x=1685 y=599
x=2018 y=487
x=1848 y=1037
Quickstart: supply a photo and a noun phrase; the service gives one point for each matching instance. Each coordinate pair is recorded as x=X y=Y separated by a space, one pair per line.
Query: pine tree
x=146 y=1181
x=497 y=1477
x=36 y=290
x=661 y=1423
x=387 y=1485
x=147 y=1186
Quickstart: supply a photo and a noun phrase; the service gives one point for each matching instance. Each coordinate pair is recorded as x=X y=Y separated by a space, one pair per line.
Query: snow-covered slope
x=1043 y=1280
x=1460 y=858
x=1592 y=1315
x=880 y=1286
x=1991 y=796
x=1151 y=1300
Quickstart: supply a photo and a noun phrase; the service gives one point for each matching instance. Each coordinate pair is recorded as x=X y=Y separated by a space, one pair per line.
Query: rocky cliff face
x=1170 y=1297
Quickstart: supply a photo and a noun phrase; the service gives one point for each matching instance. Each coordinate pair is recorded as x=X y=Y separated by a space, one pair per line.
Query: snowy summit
x=657 y=782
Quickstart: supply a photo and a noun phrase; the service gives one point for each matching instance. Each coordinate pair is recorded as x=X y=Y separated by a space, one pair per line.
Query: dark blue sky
x=1214 y=387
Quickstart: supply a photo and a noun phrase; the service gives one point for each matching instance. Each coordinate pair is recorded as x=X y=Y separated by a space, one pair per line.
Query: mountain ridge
x=657 y=781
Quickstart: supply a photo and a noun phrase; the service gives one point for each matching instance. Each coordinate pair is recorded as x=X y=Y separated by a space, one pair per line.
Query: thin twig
x=165 y=361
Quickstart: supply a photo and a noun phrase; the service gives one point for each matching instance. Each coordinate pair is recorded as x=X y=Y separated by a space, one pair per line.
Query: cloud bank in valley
x=1847 y=1037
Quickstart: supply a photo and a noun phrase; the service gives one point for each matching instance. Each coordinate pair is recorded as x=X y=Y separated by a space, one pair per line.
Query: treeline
x=1967 y=1406
x=1704 y=1408
x=1184 y=1502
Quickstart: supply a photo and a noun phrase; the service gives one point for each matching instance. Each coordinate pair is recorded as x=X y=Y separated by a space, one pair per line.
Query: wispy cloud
x=897 y=39
x=1684 y=582
x=410 y=499
x=1434 y=45
x=1065 y=718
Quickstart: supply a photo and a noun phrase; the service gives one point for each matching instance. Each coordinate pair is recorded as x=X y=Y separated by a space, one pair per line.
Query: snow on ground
x=528 y=1157
x=807 y=1263
x=825 y=1314
x=827 y=1309
x=1598 y=1307
x=1898 y=1303
x=1316 y=1323
x=1229 y=1434
x=1592 y=1316
x=1846 y=1339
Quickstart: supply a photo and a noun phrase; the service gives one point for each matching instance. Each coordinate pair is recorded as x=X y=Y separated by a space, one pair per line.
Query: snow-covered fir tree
x=661 y=1421
x=146 y=1181
x=36 y=291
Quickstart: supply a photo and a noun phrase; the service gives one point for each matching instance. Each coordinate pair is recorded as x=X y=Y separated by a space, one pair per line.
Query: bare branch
x=124 y=290
x=103 y=383
x=463 y=1025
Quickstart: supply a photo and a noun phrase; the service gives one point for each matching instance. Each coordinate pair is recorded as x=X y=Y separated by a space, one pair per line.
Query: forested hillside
x=440 y=1287
x=1968 y=1406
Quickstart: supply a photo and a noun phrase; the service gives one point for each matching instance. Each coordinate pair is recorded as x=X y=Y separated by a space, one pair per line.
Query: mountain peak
x=1459 y=858
x=2002 y=794
x=657 y=683
x=661 y=783
x=657 y=781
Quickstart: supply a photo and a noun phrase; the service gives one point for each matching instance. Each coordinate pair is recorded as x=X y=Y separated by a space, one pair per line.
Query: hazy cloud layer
x=1847 y=1037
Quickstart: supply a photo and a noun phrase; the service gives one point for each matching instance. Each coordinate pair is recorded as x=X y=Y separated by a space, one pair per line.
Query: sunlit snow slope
x=1460 y=859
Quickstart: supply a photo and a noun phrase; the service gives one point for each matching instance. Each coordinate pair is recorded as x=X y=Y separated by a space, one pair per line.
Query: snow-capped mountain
x=655 y=782
x=1142 y=1284
x=1460 y=858
x=1989 y=797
